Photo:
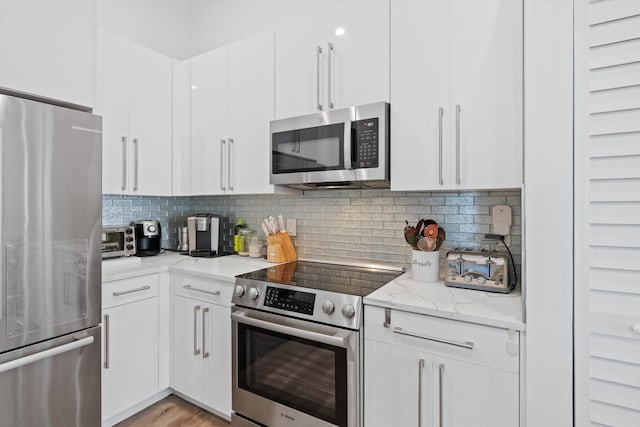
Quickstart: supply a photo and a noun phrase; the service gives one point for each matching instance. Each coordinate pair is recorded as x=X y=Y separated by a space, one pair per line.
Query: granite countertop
x=436 y=299
x=223 y=268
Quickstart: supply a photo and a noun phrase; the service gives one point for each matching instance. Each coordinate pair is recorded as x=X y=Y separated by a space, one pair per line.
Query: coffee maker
x=148 y=237
x=204 y=235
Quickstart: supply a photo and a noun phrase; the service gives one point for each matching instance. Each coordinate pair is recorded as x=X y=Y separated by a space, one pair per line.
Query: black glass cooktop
x=345 y=279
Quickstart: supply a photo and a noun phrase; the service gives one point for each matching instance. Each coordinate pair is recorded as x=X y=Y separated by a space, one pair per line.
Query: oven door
x=289 y=372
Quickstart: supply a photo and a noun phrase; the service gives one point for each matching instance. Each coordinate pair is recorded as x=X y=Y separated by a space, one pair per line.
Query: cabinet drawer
x=207 y=290
x=129 y=290
x=484 y=345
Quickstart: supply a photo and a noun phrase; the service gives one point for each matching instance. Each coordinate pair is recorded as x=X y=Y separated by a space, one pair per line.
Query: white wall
x=548 y=201
x=216 y=23
x=161 y=25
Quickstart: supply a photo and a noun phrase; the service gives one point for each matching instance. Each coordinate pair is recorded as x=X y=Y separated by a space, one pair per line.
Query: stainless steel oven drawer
x=237 y=421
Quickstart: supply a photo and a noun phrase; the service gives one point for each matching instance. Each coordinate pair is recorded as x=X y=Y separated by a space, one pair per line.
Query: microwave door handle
x=348 y=143
x=333 y=340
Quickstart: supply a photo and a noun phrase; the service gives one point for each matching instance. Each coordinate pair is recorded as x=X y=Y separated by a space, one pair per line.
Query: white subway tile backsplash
x=348 y=225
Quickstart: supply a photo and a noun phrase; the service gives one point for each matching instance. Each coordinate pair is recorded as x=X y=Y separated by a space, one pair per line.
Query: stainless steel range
x=297 y=344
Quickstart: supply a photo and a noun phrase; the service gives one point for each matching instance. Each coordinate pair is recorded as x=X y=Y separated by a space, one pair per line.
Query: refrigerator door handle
x=17 y=363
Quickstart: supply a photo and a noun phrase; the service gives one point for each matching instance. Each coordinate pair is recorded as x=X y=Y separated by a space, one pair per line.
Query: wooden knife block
x=280 y=248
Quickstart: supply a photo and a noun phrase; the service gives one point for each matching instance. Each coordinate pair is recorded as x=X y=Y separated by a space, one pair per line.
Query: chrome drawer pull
x=191 y=288
x=420 y=369
x=467 y=344
x=130 y=291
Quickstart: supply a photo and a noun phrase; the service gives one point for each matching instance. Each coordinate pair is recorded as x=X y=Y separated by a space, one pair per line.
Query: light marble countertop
x=436 y=299
x=223 y=268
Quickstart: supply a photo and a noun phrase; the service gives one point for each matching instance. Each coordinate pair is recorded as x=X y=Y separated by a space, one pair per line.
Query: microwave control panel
x=364 y=133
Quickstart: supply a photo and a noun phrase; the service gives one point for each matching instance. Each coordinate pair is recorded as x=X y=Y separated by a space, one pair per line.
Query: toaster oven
x=118 y=241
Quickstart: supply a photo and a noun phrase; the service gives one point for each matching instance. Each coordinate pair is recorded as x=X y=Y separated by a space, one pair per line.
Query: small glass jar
x=244 y=238
x=255 y=247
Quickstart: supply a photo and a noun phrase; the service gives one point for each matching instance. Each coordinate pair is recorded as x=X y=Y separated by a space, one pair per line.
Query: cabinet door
x=217 y=360
x=300 y=69
x=398 y=386
x=209 y=122
x=48 y=48
x=150 y=128
x=130 y=356
x=358 y=65
x=473 y=395
x=251 y=110
x=486 y=82
x=112 y=103
x=420 y=94
x=188 y=368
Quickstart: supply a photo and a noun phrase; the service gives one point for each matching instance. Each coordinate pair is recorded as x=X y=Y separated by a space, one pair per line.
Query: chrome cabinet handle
x=106 y=341
x=467 y=344
x=440 y=114
x=205 y=353
x=191 y=288
x=420 y=369
x=46 y=354
x=318 y=53
x=135 y=164
x=124 y=163
x=130 y=291
x=196 y=351
x=330 y=71
x=222 y=143
x=458 y=179
x=230 y=164
x=440 y=394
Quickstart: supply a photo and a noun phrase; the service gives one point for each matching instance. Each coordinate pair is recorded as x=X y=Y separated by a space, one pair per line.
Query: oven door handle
x=334 y=340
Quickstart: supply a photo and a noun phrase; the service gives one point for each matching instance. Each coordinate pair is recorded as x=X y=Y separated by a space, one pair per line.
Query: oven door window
x=304 y=375
x=308 y=150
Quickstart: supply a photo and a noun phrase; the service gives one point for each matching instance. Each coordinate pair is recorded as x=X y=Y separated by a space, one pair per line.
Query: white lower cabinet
x=420 y=372
x=202 y=342
x=130 y=343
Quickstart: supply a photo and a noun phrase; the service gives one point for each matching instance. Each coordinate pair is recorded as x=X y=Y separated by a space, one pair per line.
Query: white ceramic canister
x=425 y=266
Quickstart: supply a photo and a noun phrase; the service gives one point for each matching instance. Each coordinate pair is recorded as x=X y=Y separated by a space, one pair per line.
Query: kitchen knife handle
x=420 y=370
x=458 y=179
x=440 y=395
x=196 y=351
x=135 y=164
x=440 y=114
x=124 y=163
x=230 y=164
x=329 y=72
x=106 y=341
x=318 y=53
x=205 y=353
x=222 y=143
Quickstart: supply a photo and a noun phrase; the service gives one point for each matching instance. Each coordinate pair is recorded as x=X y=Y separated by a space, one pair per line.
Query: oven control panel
x=290 y=300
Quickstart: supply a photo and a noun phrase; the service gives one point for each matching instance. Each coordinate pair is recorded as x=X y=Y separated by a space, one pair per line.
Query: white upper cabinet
x=456 y=94
x=337 y=59
x=209 y=121
x=134 y=97
x=231 y=107
x=48 y=48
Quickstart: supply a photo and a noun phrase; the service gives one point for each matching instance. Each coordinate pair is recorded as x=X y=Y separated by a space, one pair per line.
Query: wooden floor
x=173 y=412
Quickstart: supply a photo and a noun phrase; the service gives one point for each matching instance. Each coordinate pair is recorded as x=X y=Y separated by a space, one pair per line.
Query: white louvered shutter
x=607 y=268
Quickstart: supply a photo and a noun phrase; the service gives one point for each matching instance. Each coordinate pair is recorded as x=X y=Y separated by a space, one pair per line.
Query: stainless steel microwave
x=345 y=148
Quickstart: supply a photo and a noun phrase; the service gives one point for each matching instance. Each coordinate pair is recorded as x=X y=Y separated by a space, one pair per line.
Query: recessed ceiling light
x=340 y=31
x=194 y=87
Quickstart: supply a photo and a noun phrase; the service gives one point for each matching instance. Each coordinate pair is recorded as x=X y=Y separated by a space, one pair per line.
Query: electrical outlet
x=291 y=226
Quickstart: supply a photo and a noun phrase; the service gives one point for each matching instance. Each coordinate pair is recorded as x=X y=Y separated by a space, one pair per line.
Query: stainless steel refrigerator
x=50 y=264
